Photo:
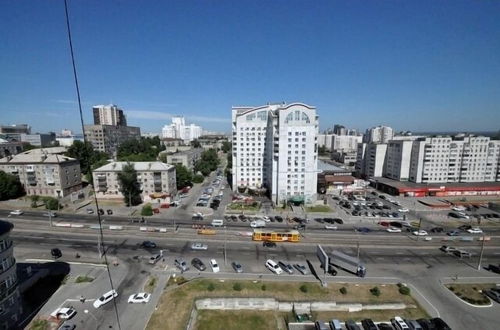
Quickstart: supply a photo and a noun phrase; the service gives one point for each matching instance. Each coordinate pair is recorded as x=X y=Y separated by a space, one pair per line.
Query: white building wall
x=345 y=142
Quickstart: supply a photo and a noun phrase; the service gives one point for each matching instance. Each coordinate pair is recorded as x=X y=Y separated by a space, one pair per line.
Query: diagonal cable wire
x=86 y=155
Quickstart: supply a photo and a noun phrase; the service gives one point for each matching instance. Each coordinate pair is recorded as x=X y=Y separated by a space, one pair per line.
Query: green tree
x=129 y=185
x=207 y=163
x=226 y=146
x=28 y=146
x=143 y=149
x=88 y=157
x=183 y=176
x=195 y=143
x=51 y=203
x=34 y=200
x=198 y=178
x=375 y=291
x=147 y=210
x=10 y=186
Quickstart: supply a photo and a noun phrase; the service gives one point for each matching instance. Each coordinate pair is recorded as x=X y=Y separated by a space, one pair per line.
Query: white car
x=139 y=298
x=258 y=224
x=265 y=218
x=393 y=230
x=331 y=227
x=403 y=210
x=16 y=212
x=105 y=298
x=50 y=214
x=199 y=246
x=458 y=208
x=475 y=230
x=64 y=313
x=273 y=266
x=420 y=233
x=214 y=265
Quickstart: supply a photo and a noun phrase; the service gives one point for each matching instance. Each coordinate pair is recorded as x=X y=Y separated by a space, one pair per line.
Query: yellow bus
x=276 y=236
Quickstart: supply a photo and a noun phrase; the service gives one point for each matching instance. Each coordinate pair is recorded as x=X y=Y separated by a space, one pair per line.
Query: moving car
x=198 y=264
x=16 y=212
x=64 y=313
x=403 y=210
x=331 y=227
x=139 y=298
x=273 y=266
x=148 y=244
x=214 y=265
x=475 y=230
x=258 y=224
x=462 y=253
x=458 y=208
x=50 y=214
x=105 y=298
x=420 y=233
x=199 y=246
x=393 y=230
x=237 y=267
x=447 y=249
x=363 y=230
x=268 y=244
x=90 y=211
x=56 y=253
x=301 y=268
x=454 y=232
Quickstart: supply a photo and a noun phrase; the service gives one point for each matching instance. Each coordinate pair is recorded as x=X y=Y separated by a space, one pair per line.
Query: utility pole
x=481 y=254
x=99 y=245
x=419 y=224
x=225 y=258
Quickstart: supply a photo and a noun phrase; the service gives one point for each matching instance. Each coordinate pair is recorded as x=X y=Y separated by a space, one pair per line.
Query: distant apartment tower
x=110 y=129
x=108 y=115
x=398 y=159
x=339 y=130
x=42 y=172
x=10 y=298
x=179 y=130
x=370 y=159
x=379 y=134
x=461 y=159
x=275 y=146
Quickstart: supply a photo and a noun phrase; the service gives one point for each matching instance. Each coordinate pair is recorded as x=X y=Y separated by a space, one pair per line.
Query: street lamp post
x=225 y=257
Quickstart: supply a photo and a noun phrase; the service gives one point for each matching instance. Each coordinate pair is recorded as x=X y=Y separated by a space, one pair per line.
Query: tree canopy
x=129 y=185
x=183 y=176
x=226 y=146
x=143 y=149
x=88 y=157
x=10 y=186
x=195 y=143
x=207 y=163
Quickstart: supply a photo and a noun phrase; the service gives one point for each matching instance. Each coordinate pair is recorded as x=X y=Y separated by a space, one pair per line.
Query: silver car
x=301 y=268
x=181 y=264
x=237 y=267
x=286 y=267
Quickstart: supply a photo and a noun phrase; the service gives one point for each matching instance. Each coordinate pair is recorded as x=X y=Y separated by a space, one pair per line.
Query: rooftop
x=139 y=166
x=412 y=186
x=188 y=152
x=42 y=155
x=327 y=167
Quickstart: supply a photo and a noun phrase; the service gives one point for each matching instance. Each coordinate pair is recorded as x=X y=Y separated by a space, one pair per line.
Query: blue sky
x=414 y=65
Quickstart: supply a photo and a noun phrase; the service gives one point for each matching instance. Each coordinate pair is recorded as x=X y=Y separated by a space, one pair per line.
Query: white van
x=273 y=266
x=217 y=222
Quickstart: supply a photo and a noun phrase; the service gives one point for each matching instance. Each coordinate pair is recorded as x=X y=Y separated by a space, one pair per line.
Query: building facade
x=275 y=146
x=44 y=173
x=370 y=159
x=13 y=132
x=379 y=134
x=40 y=139
x=8 y=148
x=179 y=130
x=10 y=298
x=108 y=115
x=107 y=138
x=187 y=158
x=398 y=159
x=345 y=143
x=154 y=178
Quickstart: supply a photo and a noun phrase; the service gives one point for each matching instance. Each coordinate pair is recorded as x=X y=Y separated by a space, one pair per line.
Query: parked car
x=198 y=264
x=63 y=313
x=493 y=295
x=268 y=244
x=335 y=325
x=475 y=230
x=139 y=298
x=154 y=259
x=237 y=267
x=56 y=253
x=101 y=212
x=331 y=227
x=413 y=325
x=109 y=212
x=286 y=267
x=493 y=268
x=398 y=323
x=384 y=326
x=279 y=218
x=426 y=324
x=181 y=264
x=214 y=265
x=393 y=230
x=16 y=212
x=90 y=211
x=437 y=230
x=105 y=298
x=465 y=227
x=420 y=233
x=439 y=324
x=368 y=324
x=148 y=245
x=403 y=210
x=199 y=246
x=301 y=268
x=273 y=266
x=351 y=325
x=67 y=326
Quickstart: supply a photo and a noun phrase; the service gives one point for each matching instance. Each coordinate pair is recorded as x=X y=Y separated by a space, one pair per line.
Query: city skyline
x=421 y=66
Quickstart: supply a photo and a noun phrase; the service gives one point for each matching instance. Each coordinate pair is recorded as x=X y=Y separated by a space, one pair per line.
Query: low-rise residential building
x=107 y=138
x=8 y=148
x=154 y=178
x=44 y=172
x=187 y=158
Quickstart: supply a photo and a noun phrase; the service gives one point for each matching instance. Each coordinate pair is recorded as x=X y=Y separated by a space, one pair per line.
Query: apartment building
x=326 y=141
x=275 y=146
x=370 y=159
x=461 y=159
x=10 y=298
x=13 y=132
x=379 y=134
x=153 y=177
x=187 y=158
x=398 y=159
x=44 y=172
x=107 y=138
x=40 y=139
x=179 y=130
x=108 y=115
x=8 y=148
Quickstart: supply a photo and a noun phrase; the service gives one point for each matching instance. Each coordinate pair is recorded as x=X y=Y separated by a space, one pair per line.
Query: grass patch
x=375 y=315
x=39 y=325
x=242 y=207
x=319 y=208
x=84 y=279
x=238 y=320
x=181 y=299
x=150 y=284
x=471 y=293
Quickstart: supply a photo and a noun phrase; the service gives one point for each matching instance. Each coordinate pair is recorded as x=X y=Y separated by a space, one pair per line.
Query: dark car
x=426 y=324
x=198 y=264
x=319 y=220
x=465 y=227
x=453 y=215
x=439 y=324
x=67 y=327
x=437 y=230
x=56 y=253
x=363 y=230
x=384 y=326
x=101 y=211
x=453 y=233
x=339 y=221
x=386 y=207
x=396 y=224
x=493 y=295
x=493 y=268
x=237 y=267
x=268 y=244
x=351 y=325
x=278 y=218
x=148 y=245
x=368 y=324
x=299 y=227
x=109 y=212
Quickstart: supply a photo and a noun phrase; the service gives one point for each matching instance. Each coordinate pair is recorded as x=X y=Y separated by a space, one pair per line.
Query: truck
x=348 y=263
